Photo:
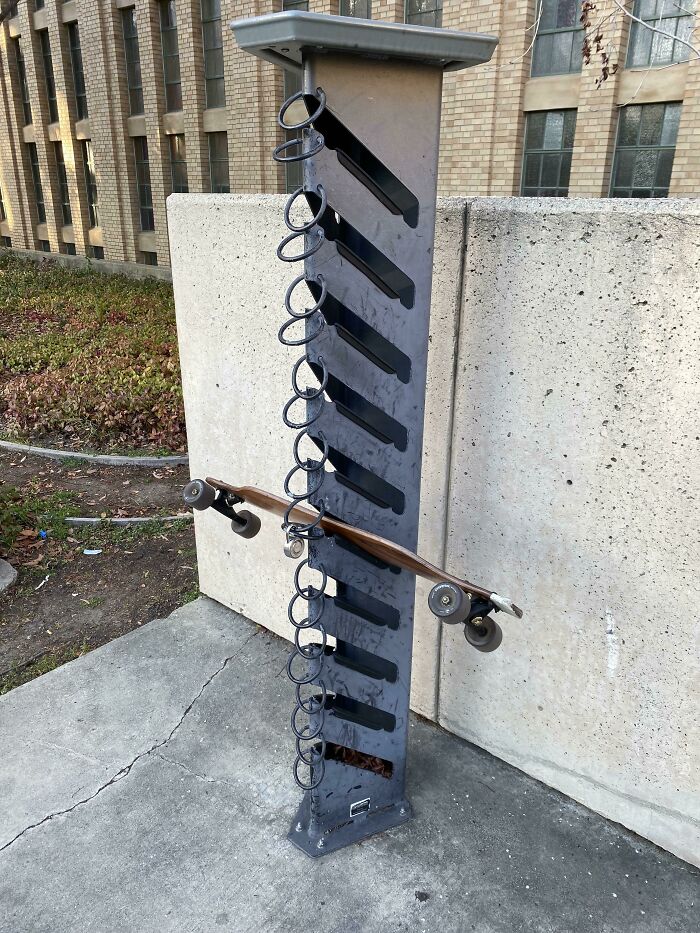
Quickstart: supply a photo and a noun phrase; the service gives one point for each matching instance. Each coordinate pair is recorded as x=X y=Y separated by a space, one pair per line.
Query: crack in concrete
x=124 y=771
x=210 y=780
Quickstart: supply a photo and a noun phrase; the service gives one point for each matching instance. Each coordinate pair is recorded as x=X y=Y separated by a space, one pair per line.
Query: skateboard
x=452 y=600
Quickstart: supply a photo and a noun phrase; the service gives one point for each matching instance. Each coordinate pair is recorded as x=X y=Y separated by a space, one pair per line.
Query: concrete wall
x=560 y=467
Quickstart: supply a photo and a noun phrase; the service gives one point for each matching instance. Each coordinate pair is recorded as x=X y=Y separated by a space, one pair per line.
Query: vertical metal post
x=372 y=92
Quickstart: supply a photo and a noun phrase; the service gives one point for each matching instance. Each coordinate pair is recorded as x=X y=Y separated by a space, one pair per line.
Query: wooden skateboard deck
x=378 y=547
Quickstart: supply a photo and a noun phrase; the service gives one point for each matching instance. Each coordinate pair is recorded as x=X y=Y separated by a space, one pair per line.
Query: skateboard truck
x=200 y=495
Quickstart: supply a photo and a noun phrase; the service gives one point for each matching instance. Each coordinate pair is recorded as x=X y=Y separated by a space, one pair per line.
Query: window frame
x=66 y=211
x=76 y=61
x=90 y=182
x=416 y=17
x=144 y=192
x=49 y=79
x=177 y=186
x=346 y=11
x=132 y=59
x=217 y=80
x=168 y=27
x=637 y=30
x=659 y=148
x=541 y=152
x=39 y=202
x=218 y=189
x=23 y=86
x=543 y=34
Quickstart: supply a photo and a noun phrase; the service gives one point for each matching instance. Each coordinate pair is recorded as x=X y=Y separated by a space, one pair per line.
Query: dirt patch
x=67 y=602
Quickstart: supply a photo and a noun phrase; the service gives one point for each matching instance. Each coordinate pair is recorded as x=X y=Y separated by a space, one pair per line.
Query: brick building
x=107 y=106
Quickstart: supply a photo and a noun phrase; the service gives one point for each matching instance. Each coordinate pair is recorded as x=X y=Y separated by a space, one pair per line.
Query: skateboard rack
x=360 y=314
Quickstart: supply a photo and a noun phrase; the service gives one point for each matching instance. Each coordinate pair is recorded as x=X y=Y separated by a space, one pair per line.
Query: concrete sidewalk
x=147 y=787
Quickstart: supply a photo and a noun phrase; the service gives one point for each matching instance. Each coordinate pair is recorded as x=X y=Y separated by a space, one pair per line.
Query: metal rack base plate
x=303 y=836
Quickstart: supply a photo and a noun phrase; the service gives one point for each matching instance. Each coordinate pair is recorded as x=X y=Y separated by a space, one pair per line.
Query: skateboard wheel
x=449 y=603
x=199 y=495
x=484 y=634
x=294 y=548
x=251 y=526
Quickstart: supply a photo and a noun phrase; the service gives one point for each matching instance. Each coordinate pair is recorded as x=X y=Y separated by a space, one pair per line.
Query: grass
x=86 y=359
x=26 y=510
x=44 y=664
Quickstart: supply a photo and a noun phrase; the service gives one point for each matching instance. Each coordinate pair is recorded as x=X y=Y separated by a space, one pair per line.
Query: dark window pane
x=63 y=183
x=24 y=87
x=76 y=57
x=218 y=162
x=550 y=170
x=133 y=61
x=534 y=137
x=48 y=74
x=664 y=167
x=531 y=174
x=178 y=164
x=36 y=180
x=90 y=183
x=569 y=129
x=558 y=44
x=565 y=171
x=624 y=168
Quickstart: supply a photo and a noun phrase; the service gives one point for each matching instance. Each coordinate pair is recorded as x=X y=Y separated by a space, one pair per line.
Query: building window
x=36 y=178
x=673 y=17
x=76 y=58
x=133 y=61
x=6 y=241
x=423 y=12
x=299 y=5
x=63 y=183
x=3 y=215
x=44 y=246
x=90 y=183
x=559 y=41
x=213 y=53
x=48 y=74
x=149 y=259
x=95 y=252
x=38 y=4
x=646 y=145
x=70 y=249
x=549 y=143
x=361 y=9
x=178 y=164
x=218 y=163
x=24 y=87
x=143 y=183
x=171 y=56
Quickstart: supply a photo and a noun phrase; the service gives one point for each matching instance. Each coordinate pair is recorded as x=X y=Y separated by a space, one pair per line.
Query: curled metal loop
x=299 y=141
x=320 y=765
x=305 y=227
x=307 y=143
x=320 y=97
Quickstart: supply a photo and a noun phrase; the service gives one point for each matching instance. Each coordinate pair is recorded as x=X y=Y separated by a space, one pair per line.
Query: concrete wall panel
x=574 y=489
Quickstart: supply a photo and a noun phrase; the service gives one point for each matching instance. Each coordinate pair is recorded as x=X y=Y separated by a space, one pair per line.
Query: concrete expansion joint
x=124 y=771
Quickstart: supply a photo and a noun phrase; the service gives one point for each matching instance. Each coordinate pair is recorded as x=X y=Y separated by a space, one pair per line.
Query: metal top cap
x=282 y=38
